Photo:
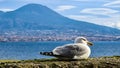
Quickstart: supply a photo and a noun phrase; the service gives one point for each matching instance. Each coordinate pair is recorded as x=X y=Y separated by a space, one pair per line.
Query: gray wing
x=68 y=51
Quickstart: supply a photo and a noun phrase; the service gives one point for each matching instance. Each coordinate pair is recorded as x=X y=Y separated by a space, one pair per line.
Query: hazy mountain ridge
x=38 y=17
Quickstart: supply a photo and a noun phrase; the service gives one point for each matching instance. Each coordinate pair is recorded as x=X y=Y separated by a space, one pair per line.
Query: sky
x=102 y=12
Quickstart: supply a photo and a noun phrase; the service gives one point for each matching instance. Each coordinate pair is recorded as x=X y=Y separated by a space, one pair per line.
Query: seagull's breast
x=84 y=53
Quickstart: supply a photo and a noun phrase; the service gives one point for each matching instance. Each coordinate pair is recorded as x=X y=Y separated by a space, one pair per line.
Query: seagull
x=77 y=50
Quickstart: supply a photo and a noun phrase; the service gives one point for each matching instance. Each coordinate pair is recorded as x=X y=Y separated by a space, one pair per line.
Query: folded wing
x=68 y=51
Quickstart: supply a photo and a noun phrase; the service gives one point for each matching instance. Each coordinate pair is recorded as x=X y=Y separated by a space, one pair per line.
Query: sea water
x=30 y=50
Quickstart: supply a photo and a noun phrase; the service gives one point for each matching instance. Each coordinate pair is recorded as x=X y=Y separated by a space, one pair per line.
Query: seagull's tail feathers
x=47 y=53
x=50 y=54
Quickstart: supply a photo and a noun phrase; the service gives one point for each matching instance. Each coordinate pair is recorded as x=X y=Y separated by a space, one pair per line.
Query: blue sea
x=30 y=50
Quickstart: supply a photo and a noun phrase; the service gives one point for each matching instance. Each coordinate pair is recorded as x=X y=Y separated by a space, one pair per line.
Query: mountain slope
x=38 y=17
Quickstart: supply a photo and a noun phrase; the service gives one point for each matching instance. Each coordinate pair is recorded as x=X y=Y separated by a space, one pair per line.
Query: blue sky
x=102 y=12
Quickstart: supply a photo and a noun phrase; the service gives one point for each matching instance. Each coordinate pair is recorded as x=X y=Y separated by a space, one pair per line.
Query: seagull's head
x=83 y=40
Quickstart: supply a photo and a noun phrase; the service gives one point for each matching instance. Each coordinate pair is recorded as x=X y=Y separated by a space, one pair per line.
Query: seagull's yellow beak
x=89 y=43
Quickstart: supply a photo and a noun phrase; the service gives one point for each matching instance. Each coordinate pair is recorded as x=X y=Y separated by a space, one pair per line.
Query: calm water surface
x=30 y=50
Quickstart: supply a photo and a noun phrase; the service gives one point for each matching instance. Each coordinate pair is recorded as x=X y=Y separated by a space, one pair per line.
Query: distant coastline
x=17 y=38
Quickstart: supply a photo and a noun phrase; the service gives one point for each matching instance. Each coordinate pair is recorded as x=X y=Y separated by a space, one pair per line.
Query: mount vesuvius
x=39 y=17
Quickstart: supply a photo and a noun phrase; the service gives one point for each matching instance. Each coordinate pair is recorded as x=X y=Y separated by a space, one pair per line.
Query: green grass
x=9 y=60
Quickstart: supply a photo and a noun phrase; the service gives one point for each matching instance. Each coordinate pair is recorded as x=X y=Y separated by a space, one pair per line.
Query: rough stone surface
x=103 y=62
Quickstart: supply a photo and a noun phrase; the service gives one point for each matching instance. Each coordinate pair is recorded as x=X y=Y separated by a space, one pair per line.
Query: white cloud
x=99 y=11
x=65 y=7
x=112 y=21
x=115 y=4
x=6 y=9
x=117 y=25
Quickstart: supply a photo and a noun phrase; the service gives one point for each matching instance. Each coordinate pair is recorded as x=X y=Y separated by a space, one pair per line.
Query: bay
x=30 y=50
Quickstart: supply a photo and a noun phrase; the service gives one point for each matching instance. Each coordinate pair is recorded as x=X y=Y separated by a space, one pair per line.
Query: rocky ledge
x=102 y=62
